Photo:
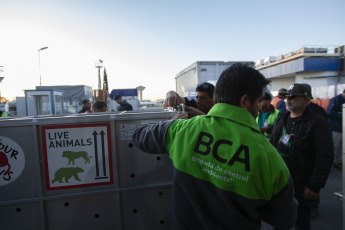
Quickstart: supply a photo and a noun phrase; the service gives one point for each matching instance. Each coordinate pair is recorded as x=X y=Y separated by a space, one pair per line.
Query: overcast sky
x=148 y=42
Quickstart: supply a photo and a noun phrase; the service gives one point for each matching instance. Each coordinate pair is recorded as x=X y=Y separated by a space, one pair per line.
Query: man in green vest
x=226 y=174
x=267 y=116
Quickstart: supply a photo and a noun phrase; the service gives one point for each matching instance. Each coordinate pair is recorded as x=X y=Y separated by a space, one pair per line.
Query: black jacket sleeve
x=281 y=210
x=323 y=145
x=151 y=138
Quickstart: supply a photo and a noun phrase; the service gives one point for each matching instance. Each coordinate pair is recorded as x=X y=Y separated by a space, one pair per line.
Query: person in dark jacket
x=124 y=105
x=304 y=140
x=314 y=204
x=86 y=106
x=334 y=111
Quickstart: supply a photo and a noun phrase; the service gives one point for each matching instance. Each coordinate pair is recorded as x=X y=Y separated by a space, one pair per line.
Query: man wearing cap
x=321 y=111
x=304 y=140
x=278 y=101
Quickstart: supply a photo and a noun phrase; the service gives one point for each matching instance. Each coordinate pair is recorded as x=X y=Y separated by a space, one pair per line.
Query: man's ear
x=307 y=100
x=244 y=101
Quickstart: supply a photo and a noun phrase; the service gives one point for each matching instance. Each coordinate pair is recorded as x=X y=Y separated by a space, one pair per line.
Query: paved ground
x=330 y=208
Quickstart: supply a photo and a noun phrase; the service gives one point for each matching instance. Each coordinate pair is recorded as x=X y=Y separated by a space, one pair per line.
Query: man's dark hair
x=206 y=87
x=99 y=105
x=267 y=97
x=239 y=80
x=117 y=96
x=85 y=101
x=282 y=92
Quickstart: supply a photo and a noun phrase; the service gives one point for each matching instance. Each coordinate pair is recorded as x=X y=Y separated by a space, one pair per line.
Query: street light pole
x=39 y=63
x=99 y=65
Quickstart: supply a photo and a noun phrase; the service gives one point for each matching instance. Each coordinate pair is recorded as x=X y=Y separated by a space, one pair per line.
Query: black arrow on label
x=96 y=151
x=103 y=152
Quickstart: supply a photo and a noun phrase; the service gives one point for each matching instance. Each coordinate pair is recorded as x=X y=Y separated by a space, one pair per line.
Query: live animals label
x=77 y=155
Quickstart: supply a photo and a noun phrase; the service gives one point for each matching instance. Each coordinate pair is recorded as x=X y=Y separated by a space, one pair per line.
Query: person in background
x=335 y=117
x=304 y=140
x=204 y=97
x=86 y=106
x=173 y=99
x=99 y=106
x=267 y=116
x=314 y=204
x=124 y=105
x=226 y=174
x=200 y=106
x=278 y=101
x=3 y=114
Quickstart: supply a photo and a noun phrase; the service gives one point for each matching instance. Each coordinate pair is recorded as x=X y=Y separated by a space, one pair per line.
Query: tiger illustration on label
x=75 y=155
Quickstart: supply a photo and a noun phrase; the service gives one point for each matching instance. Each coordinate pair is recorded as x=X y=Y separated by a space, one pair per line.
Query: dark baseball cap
x=308 y=87
x=299 y=90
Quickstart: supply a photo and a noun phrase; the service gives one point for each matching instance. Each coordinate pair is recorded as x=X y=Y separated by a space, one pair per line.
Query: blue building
x=322 y=67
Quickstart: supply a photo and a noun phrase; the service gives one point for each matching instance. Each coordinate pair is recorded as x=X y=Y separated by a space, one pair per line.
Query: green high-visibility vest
x=226 y=148
x=3 y=114
x=271 y=120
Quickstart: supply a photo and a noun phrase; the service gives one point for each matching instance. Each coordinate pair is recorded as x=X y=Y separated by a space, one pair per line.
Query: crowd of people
x=101 y=106
x=241 y=155
x=284 y=147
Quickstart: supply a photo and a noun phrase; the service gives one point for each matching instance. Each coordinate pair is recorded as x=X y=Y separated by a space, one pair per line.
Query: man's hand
x=264 y=129
x=192 y=112
x=172 y=100
x=310 y=195
x=180 y=115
